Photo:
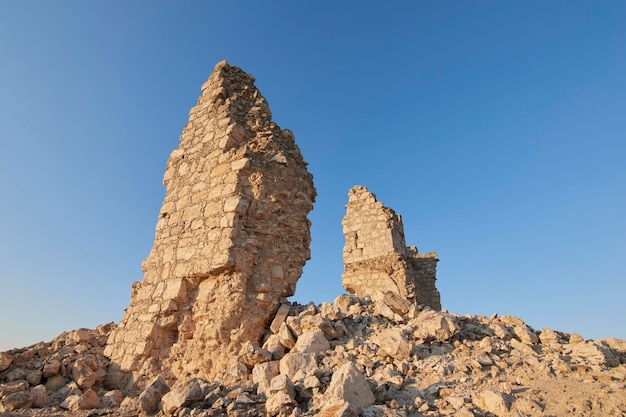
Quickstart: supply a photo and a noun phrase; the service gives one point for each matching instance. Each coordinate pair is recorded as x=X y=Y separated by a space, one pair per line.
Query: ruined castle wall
x=376 y=257
x=231 y=238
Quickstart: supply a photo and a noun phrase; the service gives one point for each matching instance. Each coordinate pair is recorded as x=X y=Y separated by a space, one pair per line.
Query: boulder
x=263 y=373
x=5 y=361
x=285 y=337
x=15 y=401
x=291 y=363
x=150 y=398
x=16 y=374
x=71 y=402
x=279 y=403
x=350 y=385
x=311 y=341
x=33 y=377
x=88 y=401
x=13 y=387
x=548 y=337
x=282 y=383
x=83 y=374
x=595 y=354
x=250 y=355
x=40 y=396
x=54 y=383
x=431 y=325
x=494 y=402
x=279 y=318
x=182 y=396
x=330 y=311
x=51 y=369
x=273 y=345
x=394 y=301
x=394 y=343
x=112 y=399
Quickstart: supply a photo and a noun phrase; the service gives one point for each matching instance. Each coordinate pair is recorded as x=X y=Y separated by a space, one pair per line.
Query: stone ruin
x=209 y=333
x=376 y=257
x=231 y=239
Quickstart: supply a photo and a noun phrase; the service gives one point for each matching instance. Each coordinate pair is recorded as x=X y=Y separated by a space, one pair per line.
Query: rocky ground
x=356 y=356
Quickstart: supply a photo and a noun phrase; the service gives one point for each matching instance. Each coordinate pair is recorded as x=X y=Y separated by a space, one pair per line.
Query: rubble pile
x=370 y=356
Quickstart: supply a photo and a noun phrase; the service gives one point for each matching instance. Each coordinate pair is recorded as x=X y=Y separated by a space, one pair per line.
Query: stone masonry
x=231 y=238
x=376 y=257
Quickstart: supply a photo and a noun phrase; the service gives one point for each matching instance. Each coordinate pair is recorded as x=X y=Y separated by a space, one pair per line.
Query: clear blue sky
x=497 y=129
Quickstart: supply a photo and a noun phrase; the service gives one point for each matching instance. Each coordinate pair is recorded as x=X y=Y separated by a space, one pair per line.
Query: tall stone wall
x=231 y=238
x=376 y=257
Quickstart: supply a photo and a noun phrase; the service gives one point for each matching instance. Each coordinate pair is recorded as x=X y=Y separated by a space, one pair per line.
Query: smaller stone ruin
x=376 y=257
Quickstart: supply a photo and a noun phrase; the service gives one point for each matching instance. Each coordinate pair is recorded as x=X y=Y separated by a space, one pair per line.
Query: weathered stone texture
x=376 y=257
x=231 y=239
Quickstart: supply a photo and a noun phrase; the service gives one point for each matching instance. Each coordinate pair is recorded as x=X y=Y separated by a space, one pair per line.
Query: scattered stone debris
x=421 y=363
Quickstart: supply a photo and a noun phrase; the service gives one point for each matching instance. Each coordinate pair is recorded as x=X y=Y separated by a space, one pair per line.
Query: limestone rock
x=88 y=401
x=339 y=408
x=495 y=402
x=263 y=373
x=51 y=369
x=12 y=387
x=395 y=302
x=311 y=341
x=251 y=355
x=16 y=374
x=231 y=239
x=291 y=363
x=348 y=384
x=279 y=403
x=285 y=337
x=181 y=396
x=235 y=374
x=282 y=383
x=16 y=401
x=5 y=361
x=376 y=257
x=40 y=396
x=54 y=383
x=82 y=373
x=279 y=318
x=112 y=399
x=71 y=402
x=432 y=325
x=33 y=376
x=595 y=353
x=394 y=343
x=150 y=398
x=273 y=346
x=461 y=366
x=548 y=336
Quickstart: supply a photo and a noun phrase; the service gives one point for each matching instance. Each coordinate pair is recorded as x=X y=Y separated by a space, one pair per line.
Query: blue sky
x=496 y=129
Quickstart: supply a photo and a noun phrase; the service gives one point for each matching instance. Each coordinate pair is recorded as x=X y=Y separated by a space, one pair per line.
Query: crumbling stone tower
x=231 y=239
x=376 y=257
